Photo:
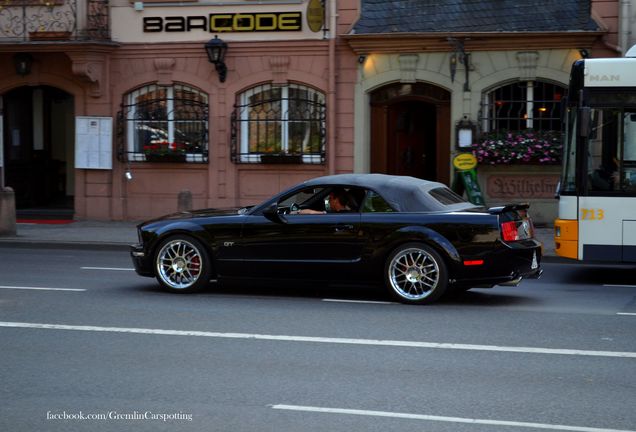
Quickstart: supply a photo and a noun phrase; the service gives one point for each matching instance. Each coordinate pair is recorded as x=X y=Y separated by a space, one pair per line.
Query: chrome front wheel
x=416 y=273
x=182 y=264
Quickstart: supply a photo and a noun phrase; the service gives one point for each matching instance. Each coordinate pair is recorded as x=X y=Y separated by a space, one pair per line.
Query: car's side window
x=374 y=203
x=320 y=200
x=306 y=198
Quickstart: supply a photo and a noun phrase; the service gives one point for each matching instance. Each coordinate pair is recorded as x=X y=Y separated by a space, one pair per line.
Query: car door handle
x=343 y=228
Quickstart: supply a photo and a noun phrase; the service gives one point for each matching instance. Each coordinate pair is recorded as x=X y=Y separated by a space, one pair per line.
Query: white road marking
x=621 y=286
x=314 y=339
x=40 y=288
x=107 y=268
x=625 y=313
x=443 y=419
x=357 y=301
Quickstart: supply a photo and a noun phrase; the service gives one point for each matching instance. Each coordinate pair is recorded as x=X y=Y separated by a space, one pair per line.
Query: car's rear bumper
x=507 y=265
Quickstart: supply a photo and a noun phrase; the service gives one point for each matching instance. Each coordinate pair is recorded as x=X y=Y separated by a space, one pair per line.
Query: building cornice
x=235 y=49
x=57 y=46
x=486 y=41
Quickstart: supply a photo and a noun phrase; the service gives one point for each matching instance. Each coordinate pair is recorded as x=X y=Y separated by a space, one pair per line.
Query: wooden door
x=412 y=144
x=379 y=120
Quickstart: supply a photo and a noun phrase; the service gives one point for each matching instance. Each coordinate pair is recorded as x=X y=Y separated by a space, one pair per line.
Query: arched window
x=522 y=105
x=166 y=124
x=279 y=124
x=521 y=123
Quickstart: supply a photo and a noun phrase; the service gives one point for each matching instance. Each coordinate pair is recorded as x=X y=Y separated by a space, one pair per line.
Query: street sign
x=465 y=161
x=466 y=178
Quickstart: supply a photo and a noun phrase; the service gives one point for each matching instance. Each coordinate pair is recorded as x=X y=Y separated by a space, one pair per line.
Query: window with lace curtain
x=522 y=105
x=166 y=124
x=279 y=124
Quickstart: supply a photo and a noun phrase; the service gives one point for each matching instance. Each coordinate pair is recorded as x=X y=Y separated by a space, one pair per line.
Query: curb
x=52 y=244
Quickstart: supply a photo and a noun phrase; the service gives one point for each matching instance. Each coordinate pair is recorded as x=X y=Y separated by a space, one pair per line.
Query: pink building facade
x=112 y=109
x=88 y=126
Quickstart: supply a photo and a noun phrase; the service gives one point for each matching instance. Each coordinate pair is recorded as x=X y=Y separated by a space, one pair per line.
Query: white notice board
x=1 y=144
x=94 y=142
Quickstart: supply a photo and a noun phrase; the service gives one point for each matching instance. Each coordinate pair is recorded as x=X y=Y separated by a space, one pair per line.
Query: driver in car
x=339 y=200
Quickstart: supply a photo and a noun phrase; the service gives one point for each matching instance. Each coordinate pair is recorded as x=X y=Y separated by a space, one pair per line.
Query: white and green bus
x=597 y=192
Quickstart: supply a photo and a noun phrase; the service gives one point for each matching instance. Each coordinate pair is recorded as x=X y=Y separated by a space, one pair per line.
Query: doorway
x=38 y=137
x=410 y=131
x=411 y=134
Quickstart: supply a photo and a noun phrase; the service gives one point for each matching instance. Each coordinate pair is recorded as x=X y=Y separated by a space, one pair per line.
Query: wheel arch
x=428 y=236
x=188 y=229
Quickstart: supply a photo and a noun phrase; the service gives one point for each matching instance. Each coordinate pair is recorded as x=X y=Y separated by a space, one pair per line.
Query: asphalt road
x=102 y=349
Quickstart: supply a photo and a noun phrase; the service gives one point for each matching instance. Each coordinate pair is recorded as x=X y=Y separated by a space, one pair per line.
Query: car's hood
x=211 y=212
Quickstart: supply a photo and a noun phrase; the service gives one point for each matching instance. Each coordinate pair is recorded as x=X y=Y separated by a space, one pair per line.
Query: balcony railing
x=53 y=20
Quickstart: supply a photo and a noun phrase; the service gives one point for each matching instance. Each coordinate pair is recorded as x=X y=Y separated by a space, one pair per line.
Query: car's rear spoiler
x=508 y=207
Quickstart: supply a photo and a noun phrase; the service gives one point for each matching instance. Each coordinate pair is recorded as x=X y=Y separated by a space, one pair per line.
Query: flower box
x=281 y=159
x=166 y=157
x=49 y=35
x=165 y=151
x=526 y=147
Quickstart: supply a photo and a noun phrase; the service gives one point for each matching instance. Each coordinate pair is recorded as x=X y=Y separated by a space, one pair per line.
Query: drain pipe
x=331 y=90
x=623 y=35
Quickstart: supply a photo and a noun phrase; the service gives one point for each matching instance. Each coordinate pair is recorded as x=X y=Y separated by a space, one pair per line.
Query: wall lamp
x=216 y=50
x=465 y=133
x=22 y=62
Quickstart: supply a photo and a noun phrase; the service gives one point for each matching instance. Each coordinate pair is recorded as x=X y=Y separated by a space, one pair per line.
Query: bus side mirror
x=584 y=122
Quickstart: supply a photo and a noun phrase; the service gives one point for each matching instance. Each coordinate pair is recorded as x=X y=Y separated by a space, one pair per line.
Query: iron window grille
x=54 y=20
x=164 y=124
x=522 y=105
x=279 y=124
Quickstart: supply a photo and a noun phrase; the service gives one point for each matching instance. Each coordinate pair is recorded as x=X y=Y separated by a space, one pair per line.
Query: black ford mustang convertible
x=417 y=237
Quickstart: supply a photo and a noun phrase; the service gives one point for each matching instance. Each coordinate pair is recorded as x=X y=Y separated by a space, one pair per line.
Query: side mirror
x=271 y=213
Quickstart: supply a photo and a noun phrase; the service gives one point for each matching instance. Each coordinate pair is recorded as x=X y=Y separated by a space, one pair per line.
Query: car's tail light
x=517 y=230
x=509 y=231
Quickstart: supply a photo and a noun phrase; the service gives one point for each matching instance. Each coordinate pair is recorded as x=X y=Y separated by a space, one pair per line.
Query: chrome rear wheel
x=416 y=273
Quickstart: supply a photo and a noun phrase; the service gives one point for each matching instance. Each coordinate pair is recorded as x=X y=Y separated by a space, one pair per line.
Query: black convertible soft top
x=404 y=194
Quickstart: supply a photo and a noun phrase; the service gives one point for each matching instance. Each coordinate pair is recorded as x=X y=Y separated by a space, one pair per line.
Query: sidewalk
x=118 y=235
x=88 y=234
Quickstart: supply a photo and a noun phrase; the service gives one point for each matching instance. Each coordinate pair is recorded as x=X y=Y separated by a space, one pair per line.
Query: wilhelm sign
x=226 y=22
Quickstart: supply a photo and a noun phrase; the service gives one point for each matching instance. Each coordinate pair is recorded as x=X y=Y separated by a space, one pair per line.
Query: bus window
x=568 y=182
x=629 y=150
x=603 y=157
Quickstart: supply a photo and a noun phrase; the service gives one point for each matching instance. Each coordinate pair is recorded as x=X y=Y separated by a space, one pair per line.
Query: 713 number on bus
x=592 y=214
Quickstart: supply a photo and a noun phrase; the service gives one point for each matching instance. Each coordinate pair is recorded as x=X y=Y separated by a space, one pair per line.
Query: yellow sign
x=465 y=161
x=315 y=15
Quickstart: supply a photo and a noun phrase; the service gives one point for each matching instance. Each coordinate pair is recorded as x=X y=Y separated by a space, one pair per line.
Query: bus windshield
x=610 y=152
